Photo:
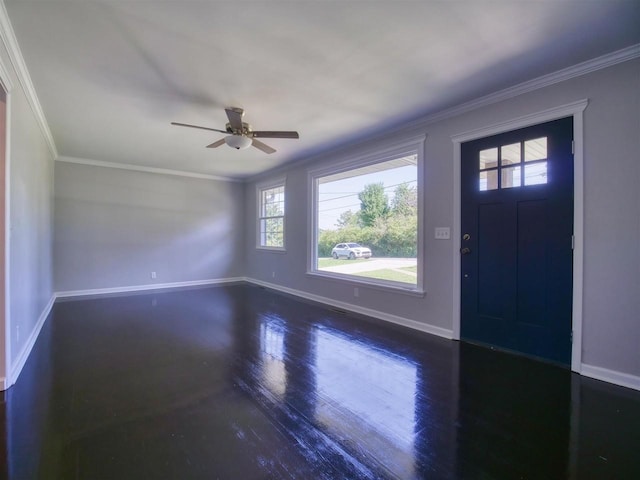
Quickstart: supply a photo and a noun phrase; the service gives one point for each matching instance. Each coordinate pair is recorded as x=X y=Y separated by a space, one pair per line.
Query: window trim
x=389 y=151
x=261 y=187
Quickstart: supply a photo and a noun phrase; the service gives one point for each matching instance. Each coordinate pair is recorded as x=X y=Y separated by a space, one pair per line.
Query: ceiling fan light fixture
x=239 y=142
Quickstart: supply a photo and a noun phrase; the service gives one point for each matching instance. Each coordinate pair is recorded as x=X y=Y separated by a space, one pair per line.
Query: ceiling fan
x=241 y=135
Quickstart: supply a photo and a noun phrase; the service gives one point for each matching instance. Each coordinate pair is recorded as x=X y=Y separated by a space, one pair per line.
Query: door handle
x=465 y=251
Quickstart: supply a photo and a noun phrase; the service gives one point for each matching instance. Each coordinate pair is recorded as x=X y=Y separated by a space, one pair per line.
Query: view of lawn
x=392 y=274
x=330 y=262
x=389 y=274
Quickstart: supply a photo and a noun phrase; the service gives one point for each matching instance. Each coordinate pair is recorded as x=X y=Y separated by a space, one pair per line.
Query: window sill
x=359 y=281
x=272 y=249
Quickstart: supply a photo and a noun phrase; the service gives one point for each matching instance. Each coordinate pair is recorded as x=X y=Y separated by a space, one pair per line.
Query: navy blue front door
x=517 y=227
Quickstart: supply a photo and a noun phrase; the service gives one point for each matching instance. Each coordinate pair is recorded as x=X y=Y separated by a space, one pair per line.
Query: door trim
x=5 y=323
x=574 y=109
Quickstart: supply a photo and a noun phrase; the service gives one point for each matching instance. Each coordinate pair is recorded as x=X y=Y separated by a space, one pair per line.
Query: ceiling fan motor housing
x=239 y=142
x=246 y=129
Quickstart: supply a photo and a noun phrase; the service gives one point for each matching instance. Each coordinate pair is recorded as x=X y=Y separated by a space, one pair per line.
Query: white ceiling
x=112 y=75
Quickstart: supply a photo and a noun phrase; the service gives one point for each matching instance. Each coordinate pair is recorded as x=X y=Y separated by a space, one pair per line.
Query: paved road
x=358 y=266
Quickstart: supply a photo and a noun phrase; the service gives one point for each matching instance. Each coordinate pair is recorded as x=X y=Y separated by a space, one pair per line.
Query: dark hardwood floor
x=239 y=382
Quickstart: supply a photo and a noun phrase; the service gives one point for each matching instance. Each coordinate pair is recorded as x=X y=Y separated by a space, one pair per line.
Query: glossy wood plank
x=239 y=382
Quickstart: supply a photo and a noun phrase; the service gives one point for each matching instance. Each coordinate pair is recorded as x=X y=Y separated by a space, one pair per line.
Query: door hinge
x=573 y=147
x=573 y=242
x=571 y=337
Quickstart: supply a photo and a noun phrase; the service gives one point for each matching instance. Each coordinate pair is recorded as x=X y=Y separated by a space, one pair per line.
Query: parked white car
x=350 y=251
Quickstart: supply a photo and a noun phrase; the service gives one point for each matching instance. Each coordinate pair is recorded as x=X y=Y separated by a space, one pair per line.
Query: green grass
x=388 y=274
x=330 y=262
x=382 y=274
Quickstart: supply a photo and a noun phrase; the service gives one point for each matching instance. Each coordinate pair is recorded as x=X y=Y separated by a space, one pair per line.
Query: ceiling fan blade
x=274 y=134
x=216 y=144
x=262 y=146
x=235 y=117
x=196 y=126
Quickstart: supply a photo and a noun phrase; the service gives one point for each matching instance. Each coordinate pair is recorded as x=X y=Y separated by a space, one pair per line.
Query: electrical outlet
x=356 y=293
x=443 y=233
x=153 y=274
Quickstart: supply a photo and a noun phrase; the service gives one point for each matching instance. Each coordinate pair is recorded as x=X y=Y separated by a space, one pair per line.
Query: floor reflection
x=274 y=375
x=366 y=400
x=347 y=399
x=240 y=382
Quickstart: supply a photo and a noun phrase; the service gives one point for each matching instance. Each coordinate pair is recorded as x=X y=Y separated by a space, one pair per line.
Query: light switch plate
x=443 y=233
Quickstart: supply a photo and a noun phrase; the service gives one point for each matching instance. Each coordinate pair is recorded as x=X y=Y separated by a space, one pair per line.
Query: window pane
x=272 y=232
x=510 y=177
x=375 y=206
x=535 y=150
x=275 y=239
x=510 y=154
x=274 y=224
x=488 y=158
x=272 y=202
x=535 y=173
x=488 y=180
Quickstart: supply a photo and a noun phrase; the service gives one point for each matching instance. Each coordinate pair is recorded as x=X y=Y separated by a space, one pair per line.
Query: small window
x=509 y=163
x=271 y=216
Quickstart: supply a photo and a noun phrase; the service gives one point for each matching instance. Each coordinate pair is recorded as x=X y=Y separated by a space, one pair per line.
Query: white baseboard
x=139 y=288
x=16 y=368
x=599 y=373
x=611 y=376
x=405 y=322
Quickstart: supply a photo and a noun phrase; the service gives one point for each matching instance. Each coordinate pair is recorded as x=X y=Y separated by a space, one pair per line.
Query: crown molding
x=5 y=78
x=608 y=60
x=584 y=68
x=10 y=42
x=554 y=113
x=139 y=168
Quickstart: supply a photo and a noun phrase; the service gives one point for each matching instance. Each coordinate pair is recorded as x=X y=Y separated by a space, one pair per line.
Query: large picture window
x=366 y=225
x=271 y=216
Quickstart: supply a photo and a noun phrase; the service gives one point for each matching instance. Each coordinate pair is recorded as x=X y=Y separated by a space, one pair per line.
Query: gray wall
x=114 y=227
x=612 y=216
x=31 y=203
